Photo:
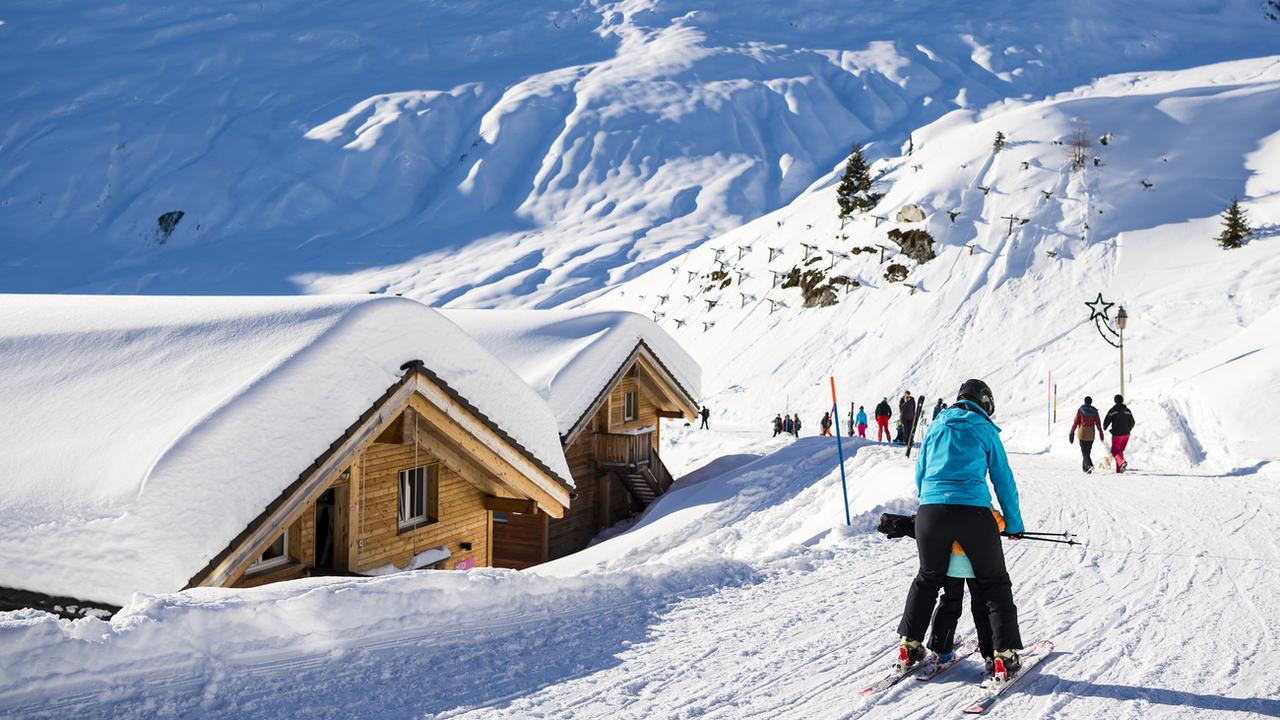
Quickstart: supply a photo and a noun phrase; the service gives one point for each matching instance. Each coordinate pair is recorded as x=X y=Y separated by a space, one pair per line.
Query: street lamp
x=1122 y=318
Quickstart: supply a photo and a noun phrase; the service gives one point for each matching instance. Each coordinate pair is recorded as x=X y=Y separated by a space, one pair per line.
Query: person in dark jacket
x=795 y=424
x=958 y=454
x=907 y=411
x=1088 y=422
x=777 y=424
x=937 y=409
x=883 y=413
x=826 y=423
x=786 y=425
x=706 y=415
x=1120 y=422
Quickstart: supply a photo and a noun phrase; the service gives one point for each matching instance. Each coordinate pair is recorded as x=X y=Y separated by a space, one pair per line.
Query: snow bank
x=569 y=356
x=142 y=434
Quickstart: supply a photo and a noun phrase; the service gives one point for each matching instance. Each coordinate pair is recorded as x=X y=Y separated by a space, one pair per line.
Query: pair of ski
x=990 y=689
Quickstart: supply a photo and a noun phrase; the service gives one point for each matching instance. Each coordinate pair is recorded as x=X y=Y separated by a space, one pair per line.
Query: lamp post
x=1122 y=318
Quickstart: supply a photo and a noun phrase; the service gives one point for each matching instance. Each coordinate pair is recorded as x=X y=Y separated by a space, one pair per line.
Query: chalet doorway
x=331 y=536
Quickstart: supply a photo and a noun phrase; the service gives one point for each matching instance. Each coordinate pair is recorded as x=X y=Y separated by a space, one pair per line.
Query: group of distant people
x=1119 y=421
x=904 y=429
x=790 y=424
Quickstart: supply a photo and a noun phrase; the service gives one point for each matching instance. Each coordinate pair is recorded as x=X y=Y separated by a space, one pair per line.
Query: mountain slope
x=1200 y=346
x=540 y=152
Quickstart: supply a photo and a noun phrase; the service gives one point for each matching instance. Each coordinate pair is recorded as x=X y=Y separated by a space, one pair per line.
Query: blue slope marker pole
x=835 y=420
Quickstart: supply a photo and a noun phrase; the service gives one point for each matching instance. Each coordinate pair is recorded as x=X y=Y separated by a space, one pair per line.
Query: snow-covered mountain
x=1006 y=302
x=492 y=154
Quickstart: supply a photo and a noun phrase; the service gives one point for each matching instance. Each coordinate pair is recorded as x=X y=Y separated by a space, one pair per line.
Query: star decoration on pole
x=1099 y=315
x=1099 y=309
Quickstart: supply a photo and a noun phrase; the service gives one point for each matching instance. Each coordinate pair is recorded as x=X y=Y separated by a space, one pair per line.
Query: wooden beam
x=439 y=446
x=671 y=414
x=518 y=479
x=523 y=506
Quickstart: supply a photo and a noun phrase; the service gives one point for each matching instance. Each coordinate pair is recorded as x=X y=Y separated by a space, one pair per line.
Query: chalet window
x=629 y=406
x=418 y=494
x=500 y=517
x=277 y=553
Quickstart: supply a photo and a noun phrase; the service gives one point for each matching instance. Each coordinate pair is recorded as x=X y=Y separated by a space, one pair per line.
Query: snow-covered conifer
x=854 y=193
x=1236 y=228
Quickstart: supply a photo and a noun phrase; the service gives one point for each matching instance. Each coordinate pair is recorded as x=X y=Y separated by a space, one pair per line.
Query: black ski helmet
x=978 y=392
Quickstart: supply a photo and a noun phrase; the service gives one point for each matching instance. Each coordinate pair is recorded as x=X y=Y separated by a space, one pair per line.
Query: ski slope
x=737 y=596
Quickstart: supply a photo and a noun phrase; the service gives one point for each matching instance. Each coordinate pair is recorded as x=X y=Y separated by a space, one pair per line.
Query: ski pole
x=1045 y=539
x=1051 y=534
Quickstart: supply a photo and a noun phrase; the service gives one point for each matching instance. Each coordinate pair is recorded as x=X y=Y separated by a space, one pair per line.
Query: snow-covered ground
x=737 y=596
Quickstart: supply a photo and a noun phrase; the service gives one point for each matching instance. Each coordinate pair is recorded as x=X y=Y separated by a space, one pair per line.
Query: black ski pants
x=942 y=631
x=937 y=526
x=1086 y=451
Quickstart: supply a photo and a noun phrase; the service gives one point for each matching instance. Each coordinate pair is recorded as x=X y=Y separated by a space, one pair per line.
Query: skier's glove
x=1013 y=536
x=896 y=526
x=1071 y=438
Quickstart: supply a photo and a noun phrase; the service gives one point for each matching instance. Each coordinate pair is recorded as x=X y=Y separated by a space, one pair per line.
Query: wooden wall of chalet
x=462 y=515
x=376 y=471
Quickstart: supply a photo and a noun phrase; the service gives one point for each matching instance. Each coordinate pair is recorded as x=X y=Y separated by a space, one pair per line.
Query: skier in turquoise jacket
x=960 y=450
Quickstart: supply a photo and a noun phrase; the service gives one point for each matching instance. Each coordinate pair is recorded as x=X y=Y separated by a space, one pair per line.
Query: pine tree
x=1236 y=228
x=854 y=192
x=998 y=145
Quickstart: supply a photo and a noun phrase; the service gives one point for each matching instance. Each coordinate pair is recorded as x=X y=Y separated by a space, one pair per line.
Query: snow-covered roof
x=142 y=434
x=569 y=356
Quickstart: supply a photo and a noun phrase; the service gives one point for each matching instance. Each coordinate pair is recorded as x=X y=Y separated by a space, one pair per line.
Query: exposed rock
x=909 y=213
x=915 y=244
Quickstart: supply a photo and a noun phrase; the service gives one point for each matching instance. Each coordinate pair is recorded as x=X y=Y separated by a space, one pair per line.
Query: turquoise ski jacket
x=960 y=449
x=862 y=417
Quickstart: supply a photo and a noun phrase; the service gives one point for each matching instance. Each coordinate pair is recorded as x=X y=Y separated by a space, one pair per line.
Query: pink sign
x=465 y=564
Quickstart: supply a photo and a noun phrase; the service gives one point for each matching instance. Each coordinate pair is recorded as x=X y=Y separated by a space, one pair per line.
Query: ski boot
x=1005 y=665
x=910 y=652
x=946 y=657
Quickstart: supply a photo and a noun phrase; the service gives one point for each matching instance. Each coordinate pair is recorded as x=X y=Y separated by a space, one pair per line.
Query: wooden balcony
x=636 y=462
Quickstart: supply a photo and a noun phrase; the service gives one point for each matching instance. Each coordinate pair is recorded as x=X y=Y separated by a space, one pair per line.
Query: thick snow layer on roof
x=140 y=435
x=569 y=356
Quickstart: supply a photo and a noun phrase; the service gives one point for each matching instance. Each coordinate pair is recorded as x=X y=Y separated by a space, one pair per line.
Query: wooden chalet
x=235 y=442
x=636 y=378
x=414 y=484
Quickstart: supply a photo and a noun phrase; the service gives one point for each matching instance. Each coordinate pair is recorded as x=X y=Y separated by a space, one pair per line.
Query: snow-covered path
x=1176 y=568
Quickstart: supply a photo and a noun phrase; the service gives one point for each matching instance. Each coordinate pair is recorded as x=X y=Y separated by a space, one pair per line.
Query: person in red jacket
x=883 y=413
x=1087 y=422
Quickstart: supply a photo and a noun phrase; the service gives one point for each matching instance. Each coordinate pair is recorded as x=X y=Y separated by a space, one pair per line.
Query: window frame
x=630 y=414
x=261 y=564
x=430 y=474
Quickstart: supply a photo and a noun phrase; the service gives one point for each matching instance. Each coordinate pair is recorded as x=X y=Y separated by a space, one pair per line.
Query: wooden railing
x=632 y=451
x=634 y=455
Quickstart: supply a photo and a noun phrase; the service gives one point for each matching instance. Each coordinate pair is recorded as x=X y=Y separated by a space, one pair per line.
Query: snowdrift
x=1007 y=303
x=142 y=434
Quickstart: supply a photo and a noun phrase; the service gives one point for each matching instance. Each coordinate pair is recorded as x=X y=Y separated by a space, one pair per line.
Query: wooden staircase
x=633 y=459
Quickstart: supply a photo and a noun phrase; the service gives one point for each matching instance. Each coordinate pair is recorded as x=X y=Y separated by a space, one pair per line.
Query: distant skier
x=907 y=411
x=861 y=420
x=826 y=424
x=795 y=424
x=777 y=424
x=706 y=415
x=786 y=425
x=883 y=413
x=1120 y=422
x=958 y=453
x=1088 y=422
x=937 y=409
x=897 y=438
